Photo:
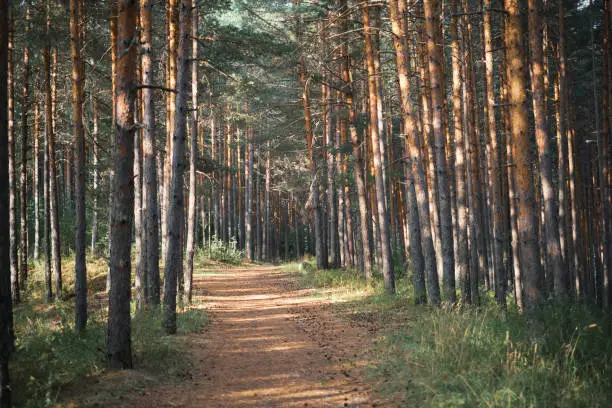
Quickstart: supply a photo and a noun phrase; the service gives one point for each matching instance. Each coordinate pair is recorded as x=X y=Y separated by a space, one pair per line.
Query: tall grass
x=50 y=355
x=459 y=356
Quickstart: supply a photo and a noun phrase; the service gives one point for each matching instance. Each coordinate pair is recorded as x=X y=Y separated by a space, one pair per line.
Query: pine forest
x=305 y=203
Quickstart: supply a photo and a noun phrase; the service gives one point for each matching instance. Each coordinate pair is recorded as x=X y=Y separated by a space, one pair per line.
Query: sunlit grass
x=50 y=355
x=458 y=356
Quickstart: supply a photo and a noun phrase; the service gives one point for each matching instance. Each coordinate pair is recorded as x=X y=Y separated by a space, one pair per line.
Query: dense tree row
x=462 y=143
x=468 y=161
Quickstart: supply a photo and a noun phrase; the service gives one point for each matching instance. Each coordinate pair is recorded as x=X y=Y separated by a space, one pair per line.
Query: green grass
x=51 y=357
x=465 y=357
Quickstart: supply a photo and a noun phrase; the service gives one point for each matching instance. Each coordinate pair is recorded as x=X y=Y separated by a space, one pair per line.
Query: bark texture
x=119 y=343
x=176 y=213
x=80 y=271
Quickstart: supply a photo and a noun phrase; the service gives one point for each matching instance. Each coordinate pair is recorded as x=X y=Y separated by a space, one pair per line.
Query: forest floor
x=269 y=343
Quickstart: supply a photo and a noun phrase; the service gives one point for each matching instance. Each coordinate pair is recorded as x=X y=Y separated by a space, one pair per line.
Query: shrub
x=220 y=251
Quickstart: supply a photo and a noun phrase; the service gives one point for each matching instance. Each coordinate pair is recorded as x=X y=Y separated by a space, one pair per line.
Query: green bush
x=220 y=251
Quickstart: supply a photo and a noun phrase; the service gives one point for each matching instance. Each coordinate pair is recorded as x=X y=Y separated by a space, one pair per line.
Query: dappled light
x=289 y=203
x=259 y=350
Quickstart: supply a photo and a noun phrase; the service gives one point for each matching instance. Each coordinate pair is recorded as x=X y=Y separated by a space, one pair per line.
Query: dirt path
x=268 y=345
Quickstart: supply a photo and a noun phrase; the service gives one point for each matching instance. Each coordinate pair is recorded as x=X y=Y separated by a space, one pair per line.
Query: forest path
x=269 y=344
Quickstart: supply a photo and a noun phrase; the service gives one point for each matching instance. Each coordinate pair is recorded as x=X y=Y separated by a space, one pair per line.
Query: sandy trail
x=268 y=345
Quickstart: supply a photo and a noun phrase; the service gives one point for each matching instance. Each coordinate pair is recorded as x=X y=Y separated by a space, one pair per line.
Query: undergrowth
x=220 y=251
x=50 y=356
x=459 y=356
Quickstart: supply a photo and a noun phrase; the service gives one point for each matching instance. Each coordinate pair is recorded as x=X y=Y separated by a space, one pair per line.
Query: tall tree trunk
x=140 y=279
x=80 y=271
x=529 y=249
x=551 y=227
x=119 y=347
x=475 y=201
x=605 y=153
x=495 y=162
x=319 y=250
x=460 y=156
x=171 y=73
x=14 y=260
x=150 y=217
x=382 y=216
x=56 y=257
x=357 y=169
x=48 y=134
x=328 y=140
x=37 y=172
x=258 y=201
x=266 y=228
x=193 y=150
x=6 y=312
x=248 y=199
x=96 y=175
x=565 y=234
x=114 y=16
x=23 y=179
x=174 y=255
x=418 y=263
x=437 y=92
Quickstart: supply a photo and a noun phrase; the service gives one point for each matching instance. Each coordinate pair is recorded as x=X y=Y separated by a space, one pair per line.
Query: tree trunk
x=96 y=175
x=383 y=217
x=400 y=39
x=478 y=267
x=46 y=182
x=150 y=252
x=14 y=259
x=174 y=254
x=23 y=180
x=319 y=250
x=266 y=228
x=357 y=169
x=328 y=140
x=551 y=226
x=6 y=318
x=119 y=348
x=140 y=280
x=114 y=15
x=495 y=162
x=565 y=235
x=248 y=199
x=460 y=156
x=56 y=257
x=437 y=92
x=605 y=153
x=37 y=173
x=529 y=249
x=80 y=271
x=193 y=150
x=258 y=200
x=171 y=73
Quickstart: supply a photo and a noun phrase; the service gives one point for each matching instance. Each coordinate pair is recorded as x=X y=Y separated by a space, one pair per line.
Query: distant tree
x=6 y=308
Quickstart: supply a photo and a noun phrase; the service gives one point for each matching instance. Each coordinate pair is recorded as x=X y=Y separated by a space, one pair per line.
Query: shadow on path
x=269 y=344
